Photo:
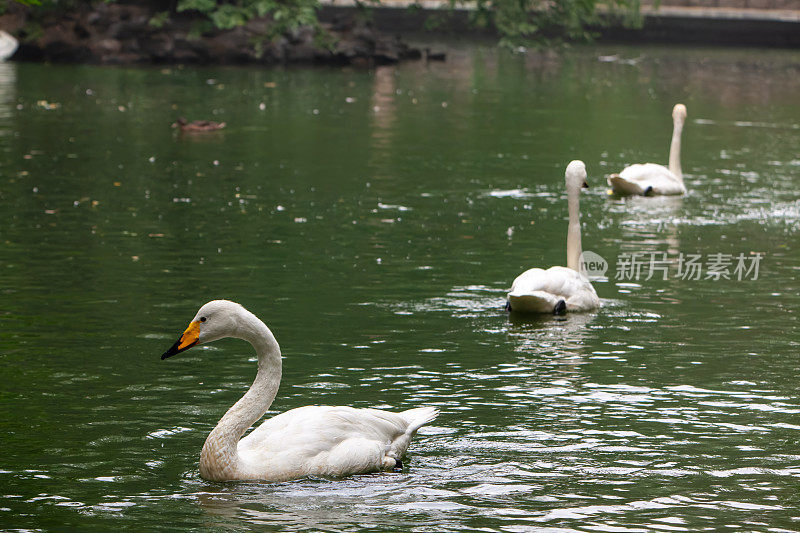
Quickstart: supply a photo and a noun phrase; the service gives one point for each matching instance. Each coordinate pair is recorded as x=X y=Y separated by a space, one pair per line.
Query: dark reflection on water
x=375 y=220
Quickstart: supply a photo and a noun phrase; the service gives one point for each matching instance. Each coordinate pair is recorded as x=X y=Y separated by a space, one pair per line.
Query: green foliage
x=544 y=21
x=204 y=6
x=517 y=21
x=286 y=14
x=159 y=19
x=228 y=16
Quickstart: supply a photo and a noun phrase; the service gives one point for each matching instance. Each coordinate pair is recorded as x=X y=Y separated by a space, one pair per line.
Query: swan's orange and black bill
x=585 y=185
x=187 y=340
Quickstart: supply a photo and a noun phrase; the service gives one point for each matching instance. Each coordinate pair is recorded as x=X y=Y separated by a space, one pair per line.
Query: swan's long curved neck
x=219 y=459
x=675 y=150
x=574 y=231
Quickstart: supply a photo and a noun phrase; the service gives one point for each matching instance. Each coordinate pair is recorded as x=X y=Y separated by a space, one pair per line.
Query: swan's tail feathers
x=619 y=185
x=532 y=302
x=418 y=417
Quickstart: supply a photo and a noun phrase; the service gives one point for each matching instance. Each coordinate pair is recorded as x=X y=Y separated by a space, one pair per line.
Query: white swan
x=559 y=289
x=8 y=45
x=651 y=179
x=307 y=441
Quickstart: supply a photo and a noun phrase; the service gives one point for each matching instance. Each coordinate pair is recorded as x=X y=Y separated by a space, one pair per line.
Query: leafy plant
x=159 y=19
x=542 y=21
x=287 y=15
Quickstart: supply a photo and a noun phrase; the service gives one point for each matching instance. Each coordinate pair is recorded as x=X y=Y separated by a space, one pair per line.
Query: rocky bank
x=123 y=33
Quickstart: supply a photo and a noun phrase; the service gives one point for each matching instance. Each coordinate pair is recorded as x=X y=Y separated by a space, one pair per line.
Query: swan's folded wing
x=329 y=441
x=620 y=185
x=317 y=428
x=558 y=281
x=536 y=288
x=636 y=179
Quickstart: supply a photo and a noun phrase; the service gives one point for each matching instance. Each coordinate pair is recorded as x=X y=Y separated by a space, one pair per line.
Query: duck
x=309 y=441
x=651 y=179
x=559 y=289
x=197 y=125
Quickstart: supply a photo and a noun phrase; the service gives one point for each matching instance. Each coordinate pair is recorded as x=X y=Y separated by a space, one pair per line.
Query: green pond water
x=375 y=219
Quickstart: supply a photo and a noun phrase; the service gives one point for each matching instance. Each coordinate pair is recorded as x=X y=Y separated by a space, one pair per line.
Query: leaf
x=264 y=7
x=204 y=6
x=159 y=19
x=228 y=16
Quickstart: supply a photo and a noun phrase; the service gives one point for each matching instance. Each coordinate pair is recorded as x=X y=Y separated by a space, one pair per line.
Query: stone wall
x=792 y=5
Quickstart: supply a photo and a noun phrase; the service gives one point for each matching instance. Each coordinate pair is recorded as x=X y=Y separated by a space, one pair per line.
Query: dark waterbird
x=197 y=125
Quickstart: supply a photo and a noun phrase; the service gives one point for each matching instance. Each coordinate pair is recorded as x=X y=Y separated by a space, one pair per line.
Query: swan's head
x=576 y=176
x=679 y=112
x=215 y=320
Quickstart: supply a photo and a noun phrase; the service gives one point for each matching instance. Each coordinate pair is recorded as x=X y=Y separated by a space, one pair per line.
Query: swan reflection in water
x=322 y=505
x=650 y=236
x=547 y=336
x=8 y=95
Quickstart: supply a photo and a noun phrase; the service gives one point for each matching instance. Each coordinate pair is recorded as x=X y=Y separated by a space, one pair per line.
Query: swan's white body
x=650 y=178
x=307 y=441
x=646 y=179
x=538 y=291
x=541 y=291
x=8 y=45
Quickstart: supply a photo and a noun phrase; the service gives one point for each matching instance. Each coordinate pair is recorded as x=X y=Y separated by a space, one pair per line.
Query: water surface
x=374 y=220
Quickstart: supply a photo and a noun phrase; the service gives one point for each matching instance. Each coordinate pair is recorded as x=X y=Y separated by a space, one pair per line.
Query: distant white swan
x=559 y=289
x=650 y=179
x=307 y=441
x=8 y=45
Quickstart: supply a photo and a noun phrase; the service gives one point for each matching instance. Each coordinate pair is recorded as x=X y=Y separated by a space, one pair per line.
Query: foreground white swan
x=559 y=289
x=307 y=441
x=651 y=179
